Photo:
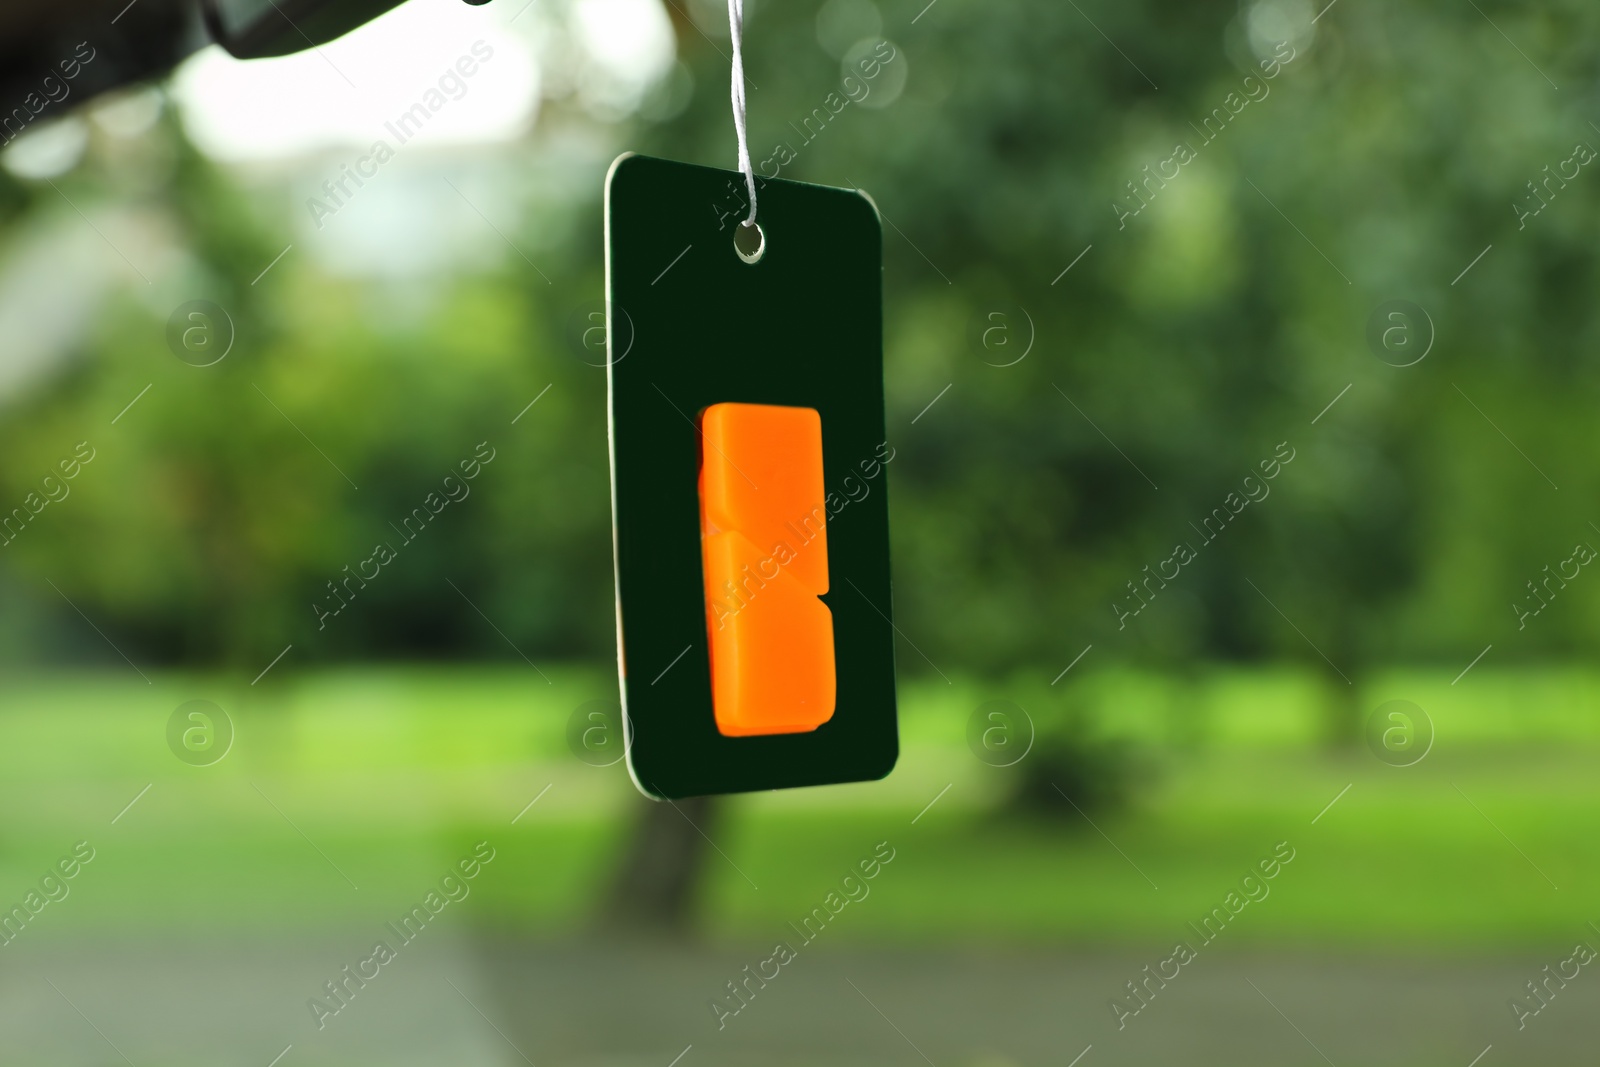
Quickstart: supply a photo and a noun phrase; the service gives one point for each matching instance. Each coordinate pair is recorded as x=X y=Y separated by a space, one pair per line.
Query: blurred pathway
x=491 y=1001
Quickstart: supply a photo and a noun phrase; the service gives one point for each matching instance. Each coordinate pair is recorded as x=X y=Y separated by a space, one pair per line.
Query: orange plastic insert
x=765 y=547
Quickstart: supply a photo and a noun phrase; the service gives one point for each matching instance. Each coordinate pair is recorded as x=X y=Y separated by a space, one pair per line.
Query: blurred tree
x=656 y=883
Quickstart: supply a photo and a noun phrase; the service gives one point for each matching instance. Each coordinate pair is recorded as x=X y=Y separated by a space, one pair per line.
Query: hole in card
x=750 y=241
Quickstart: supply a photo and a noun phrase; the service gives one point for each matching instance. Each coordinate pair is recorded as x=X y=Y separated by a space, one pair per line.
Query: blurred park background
x=1371 y=275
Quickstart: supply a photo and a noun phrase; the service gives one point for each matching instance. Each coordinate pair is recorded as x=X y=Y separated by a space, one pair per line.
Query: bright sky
x=342 y=93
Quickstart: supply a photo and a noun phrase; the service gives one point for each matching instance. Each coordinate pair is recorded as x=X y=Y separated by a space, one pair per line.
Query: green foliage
x=1189 y=343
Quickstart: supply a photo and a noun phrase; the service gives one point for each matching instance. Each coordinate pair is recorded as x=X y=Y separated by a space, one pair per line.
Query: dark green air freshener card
x=749 y=483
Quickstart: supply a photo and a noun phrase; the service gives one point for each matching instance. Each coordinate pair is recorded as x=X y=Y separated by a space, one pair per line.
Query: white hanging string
x=736 y=32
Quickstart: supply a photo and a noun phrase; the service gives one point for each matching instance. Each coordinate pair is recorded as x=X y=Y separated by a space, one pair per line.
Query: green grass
x=384 y=777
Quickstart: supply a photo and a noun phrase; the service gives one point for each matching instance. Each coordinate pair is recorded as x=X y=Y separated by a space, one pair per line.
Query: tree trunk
x=1344 y=715
x=656 y=884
